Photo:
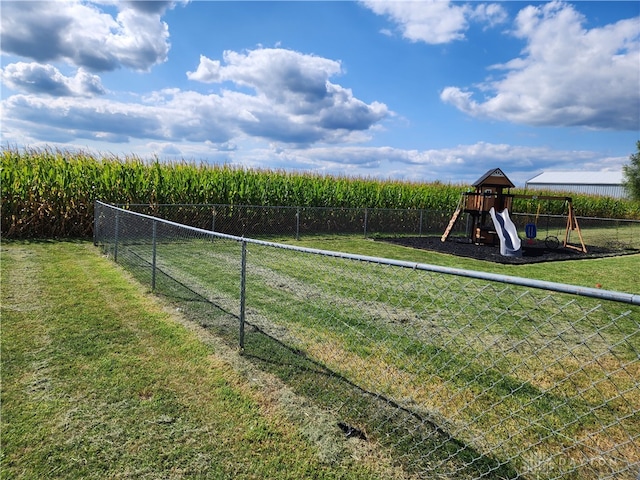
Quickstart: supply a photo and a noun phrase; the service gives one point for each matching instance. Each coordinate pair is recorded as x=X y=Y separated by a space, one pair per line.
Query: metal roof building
x=608 y=184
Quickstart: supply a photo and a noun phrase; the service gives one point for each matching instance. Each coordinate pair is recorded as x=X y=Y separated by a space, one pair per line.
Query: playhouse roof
x=494 y=178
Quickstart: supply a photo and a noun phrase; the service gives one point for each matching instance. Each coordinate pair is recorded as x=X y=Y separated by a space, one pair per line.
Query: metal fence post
x=365 y=222
x=115 y=240
x=213 y=220
x=153 y=258
x=95 y=223
x=243 y=281
x=298 y=223
x=420 y=226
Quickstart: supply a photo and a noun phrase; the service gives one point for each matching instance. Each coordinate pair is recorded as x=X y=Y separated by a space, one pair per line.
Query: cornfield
x=50 y=193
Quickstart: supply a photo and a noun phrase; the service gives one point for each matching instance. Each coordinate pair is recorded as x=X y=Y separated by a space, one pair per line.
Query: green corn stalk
x=50 y=193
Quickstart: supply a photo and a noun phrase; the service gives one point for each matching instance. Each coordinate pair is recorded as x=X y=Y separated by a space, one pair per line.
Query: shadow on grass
x=421 y=444
x=418 y=442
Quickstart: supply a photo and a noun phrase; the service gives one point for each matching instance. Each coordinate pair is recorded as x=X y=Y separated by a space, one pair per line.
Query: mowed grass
x=502 y=365
x=619 y=273
x=99 y=380
x=107 y=384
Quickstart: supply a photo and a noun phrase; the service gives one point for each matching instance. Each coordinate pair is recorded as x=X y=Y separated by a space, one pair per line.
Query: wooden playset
x=490 y=192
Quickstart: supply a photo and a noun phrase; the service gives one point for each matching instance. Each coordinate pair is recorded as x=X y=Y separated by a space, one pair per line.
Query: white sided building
x=609 y=184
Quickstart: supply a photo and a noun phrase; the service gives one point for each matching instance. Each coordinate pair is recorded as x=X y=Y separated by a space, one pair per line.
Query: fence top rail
x=622 y=297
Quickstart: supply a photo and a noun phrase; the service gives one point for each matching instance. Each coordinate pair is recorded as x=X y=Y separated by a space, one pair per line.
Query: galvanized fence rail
x=459 y=374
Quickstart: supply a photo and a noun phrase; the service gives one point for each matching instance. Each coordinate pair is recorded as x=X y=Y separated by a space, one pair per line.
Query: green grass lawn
x=101 y=380
x=484 y=363
x=612 y=273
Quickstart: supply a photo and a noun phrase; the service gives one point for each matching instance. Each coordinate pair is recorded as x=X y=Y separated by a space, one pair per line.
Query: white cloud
x=430 y=21
x=93 y=118
x=82 y=35
x=462 y=163
x=208 y=71
x=37 y=78
x=567 y=76
x=168 y=149
x=148 y=6
x=435 y=21
x=280 y=74
x=491 y=14
x=294 y=103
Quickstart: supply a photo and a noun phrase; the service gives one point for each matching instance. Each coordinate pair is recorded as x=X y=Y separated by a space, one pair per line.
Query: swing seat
x=531 y=231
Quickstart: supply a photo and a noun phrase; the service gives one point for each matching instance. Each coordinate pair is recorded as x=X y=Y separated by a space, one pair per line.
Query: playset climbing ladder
x=453 y=220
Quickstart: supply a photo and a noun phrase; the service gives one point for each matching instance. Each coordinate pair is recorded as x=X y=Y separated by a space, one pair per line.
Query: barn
x=608 y=184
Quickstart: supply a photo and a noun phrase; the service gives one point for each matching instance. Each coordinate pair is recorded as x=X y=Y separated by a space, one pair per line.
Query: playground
x=491 y=235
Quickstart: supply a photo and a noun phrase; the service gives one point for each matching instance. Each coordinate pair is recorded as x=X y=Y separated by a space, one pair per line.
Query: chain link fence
x=459 y=374
x=260 y=221
x=265 y=221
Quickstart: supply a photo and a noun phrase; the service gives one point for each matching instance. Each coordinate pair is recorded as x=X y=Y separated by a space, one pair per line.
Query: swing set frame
x=572 y=220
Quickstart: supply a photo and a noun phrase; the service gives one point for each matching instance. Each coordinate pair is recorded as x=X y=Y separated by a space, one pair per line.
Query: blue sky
x=420 y=91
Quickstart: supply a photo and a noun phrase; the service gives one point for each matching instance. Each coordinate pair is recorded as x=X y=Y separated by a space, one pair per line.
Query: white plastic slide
x=510 y=244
